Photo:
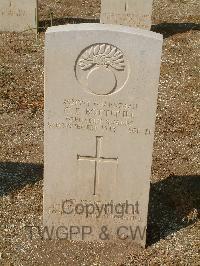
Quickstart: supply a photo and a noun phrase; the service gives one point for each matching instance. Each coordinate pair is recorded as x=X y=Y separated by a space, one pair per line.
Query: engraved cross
x=98 y=159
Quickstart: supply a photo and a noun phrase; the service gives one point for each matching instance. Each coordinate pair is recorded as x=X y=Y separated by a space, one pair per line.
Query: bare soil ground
x=174 y=211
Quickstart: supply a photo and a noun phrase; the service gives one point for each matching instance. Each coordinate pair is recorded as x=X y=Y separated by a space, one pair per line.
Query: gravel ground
x=164 y=11
x=174 y=211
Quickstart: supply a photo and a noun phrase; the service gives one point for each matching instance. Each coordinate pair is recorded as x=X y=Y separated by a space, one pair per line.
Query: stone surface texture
x=100 y=109
x=18 y=15
x=135 y=13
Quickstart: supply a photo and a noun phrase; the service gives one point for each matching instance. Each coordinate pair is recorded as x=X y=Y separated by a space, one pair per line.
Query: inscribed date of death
x=94 y=116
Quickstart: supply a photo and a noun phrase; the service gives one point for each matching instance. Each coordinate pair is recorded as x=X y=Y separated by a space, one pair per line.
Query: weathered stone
x=18 y=15
x=101 y=85
x=135 y=13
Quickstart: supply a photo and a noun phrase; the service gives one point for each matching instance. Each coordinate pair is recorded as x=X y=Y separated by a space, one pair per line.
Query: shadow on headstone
x=174 y=204
x=15 y=176
x=169 y=29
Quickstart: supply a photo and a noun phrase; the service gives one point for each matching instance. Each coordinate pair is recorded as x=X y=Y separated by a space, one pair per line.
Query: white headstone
x=18 y=15
x=135 y=13
x=101 y=85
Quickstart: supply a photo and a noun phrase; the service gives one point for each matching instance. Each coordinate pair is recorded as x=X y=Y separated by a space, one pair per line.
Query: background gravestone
x=100 y=109
x=18 y=15
x=135 y=13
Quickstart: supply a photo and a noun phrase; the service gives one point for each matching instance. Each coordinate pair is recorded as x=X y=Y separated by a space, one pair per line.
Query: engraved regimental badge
x=102 y=69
